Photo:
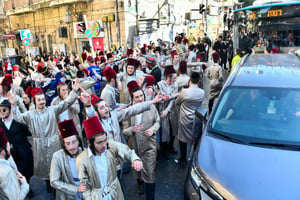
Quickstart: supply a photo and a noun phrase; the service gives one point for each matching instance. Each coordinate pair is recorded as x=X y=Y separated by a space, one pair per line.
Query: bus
x=274 y=24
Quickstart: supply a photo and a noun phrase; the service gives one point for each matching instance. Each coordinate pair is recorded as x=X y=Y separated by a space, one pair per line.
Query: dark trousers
x=210 y=104
x=182 y=146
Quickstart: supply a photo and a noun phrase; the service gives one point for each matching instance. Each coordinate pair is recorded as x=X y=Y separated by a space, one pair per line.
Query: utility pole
x=137 y=17
x=90 y=39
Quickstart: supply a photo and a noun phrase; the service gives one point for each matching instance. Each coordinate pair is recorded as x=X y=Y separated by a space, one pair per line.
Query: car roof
x=268 y=70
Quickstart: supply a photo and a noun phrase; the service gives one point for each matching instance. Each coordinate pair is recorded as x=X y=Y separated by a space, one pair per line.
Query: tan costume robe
x=88 y=174
x=43 y=127
x=145 y=146
x=10 y=186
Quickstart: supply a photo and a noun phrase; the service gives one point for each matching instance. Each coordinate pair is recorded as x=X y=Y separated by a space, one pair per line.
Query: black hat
x=5 y=103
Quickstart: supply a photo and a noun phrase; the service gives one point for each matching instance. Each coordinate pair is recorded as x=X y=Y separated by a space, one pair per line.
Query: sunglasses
x=3 y=110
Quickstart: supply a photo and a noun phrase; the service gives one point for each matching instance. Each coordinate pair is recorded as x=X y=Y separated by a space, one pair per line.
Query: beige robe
x=43 y=127
x=9 y=184
x=88 y=174
x=145 y=146
x=61 y=177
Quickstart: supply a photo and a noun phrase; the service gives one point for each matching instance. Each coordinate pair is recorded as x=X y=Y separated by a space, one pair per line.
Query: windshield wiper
x=226 y=137
x=280 y=145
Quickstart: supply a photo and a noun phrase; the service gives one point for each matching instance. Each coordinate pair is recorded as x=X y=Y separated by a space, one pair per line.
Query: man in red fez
x=97 y=165
x=168 y=113
x=154 y=68
x=142 y=138
x=13 y=184
x=175 y=60
x=110 y=60
x=63 y=171
x=111 y=91
x=42 y=123
x=146 y=83
x=183 y=79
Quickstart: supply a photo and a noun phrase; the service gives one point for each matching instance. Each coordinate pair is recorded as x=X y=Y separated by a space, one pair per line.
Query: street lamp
x=68 y=18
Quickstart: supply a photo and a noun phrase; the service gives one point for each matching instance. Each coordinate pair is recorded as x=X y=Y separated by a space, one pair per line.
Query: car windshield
x=252 y=115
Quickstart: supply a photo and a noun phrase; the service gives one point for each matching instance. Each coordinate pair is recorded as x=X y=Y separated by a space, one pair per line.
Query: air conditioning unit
x=63 y=32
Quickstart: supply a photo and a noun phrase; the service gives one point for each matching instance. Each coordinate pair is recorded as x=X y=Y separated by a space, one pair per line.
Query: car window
x=269 y=114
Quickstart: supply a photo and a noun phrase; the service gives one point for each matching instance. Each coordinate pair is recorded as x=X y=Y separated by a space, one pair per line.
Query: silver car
x=250 y=147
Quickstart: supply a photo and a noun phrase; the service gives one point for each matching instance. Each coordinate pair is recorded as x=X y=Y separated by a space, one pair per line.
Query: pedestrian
x=13 y=185
x=154 y=69
x=142 y=138
x=63 y=172
x=97 y=165
x=215 y=75
x=17 y=134
x=188 y=100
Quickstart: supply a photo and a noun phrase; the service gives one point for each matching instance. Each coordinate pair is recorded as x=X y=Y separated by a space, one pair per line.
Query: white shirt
x=102 y=169
x=8 y=122
x=72 y=162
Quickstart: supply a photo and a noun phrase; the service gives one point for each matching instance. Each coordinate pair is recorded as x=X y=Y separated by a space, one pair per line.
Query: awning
x=11 y=35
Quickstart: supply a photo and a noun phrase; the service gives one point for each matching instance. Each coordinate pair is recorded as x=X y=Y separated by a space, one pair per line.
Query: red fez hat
x=94 y=99
x=90 y=58
x=216 y=56
x=169 y=69
x=145 y=45
x=35 y=91
x=109 y=55
x=67 y=128
x=182 y=67
x=15 y=68
x=150 y=80
x=131 y=61
x=60 y=83
x=6 y=82
x=8 y=76
x=274 y=50
x=198 y=56
x=40 y=67
x=92 y=126
x=85 y=71
x=132 y=85
x=28 y=90
x=173 y=53
x=76 y=63
x=97 y=59
x=109 y=73
x=129 y=51
x=102 y=59
x=3 y=139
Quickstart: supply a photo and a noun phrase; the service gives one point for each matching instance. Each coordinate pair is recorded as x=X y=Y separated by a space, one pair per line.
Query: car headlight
x=199 y=181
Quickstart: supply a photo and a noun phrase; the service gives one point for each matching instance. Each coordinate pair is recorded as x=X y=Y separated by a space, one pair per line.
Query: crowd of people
x=75 y=120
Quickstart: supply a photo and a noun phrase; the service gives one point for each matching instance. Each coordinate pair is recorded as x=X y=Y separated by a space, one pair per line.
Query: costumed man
x=146 y=83
x=142 y=138
x=188 y=100
x=70 y=113
x=97 y=165
x=110 y=60
x=168 y=114
x=17 y=134
x=42 y=123
x=63 y=171
x=183 y=79
x=128 y=74
x=175 y=60
x=112 y=89
x=13 y=185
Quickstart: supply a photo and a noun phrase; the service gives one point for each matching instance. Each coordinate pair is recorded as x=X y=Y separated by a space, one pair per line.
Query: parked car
x=250 y=147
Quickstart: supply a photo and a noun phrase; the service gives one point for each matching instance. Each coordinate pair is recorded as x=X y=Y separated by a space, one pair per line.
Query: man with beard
x=17 y=134
x=13 y=185
x=42 y=123
x=63 y=171
x=142 y=138
x=97 y=165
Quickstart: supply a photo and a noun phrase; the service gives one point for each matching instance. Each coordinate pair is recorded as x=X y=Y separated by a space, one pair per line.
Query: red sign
x=98 y=43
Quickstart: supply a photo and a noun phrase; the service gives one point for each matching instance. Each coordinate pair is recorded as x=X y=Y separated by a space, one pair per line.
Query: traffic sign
x=25 y=34
x=88 y=33
x=26 y=42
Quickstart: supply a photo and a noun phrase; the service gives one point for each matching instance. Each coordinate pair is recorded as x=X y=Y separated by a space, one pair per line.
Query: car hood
x=246 y=172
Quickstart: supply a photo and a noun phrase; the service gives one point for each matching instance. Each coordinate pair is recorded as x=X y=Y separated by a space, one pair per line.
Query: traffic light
x=81 y=27
x=201 y=8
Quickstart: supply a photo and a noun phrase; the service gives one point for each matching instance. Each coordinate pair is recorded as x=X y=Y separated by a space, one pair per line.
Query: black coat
x=156 y=72
x=21 y=149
